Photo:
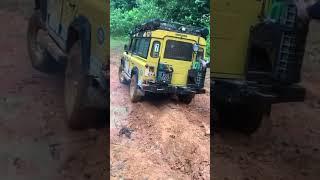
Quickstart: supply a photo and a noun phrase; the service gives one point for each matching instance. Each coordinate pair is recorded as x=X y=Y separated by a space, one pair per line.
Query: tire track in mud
x=170 y=140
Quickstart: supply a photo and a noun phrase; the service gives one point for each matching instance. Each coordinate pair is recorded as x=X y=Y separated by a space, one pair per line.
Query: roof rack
x=158 y=24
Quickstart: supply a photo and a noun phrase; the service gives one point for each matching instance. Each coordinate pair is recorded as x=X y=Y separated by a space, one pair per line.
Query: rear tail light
x=149 y=71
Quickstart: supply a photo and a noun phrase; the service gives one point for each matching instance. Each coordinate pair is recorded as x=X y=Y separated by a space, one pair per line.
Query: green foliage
x=123 y=4
x=185 y=11
x=125 y=14
x=123 y=20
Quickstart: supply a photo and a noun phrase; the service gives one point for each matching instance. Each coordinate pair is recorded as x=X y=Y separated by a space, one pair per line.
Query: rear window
x=178 y=50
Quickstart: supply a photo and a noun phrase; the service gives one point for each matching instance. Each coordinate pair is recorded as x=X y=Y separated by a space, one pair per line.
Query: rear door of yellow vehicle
x=232 y=20
x=178 y=53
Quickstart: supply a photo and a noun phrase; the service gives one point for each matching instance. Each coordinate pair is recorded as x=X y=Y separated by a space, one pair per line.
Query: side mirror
x=126 y=48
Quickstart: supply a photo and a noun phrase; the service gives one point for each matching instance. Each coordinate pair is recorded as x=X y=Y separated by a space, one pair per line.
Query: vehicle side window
x=136 y=46
x=155 y=51
x=132 y=46
x=142 y=47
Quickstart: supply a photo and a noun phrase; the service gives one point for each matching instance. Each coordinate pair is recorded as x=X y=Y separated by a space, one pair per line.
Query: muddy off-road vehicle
x=164 y=57
x=70 y=36
x=258 y=50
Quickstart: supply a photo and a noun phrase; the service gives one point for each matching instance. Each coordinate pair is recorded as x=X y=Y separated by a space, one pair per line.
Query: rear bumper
x=168 y=89
x=239 y=92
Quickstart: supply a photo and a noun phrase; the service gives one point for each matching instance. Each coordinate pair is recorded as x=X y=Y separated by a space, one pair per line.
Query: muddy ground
x=34 y=140
x=292 y=150
x=170 y=140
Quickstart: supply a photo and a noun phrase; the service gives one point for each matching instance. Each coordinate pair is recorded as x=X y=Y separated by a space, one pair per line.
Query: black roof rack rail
x=158 y=24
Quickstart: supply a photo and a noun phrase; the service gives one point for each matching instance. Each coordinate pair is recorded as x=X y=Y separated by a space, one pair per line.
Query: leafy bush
x=126 y=14
x=123 y=20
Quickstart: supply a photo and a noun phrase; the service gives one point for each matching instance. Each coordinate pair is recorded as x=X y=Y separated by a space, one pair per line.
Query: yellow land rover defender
x=165 y=57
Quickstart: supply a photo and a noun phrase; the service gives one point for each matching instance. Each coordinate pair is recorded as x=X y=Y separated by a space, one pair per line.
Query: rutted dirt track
x=292 y=151
x=35 y=142
x=169 y=139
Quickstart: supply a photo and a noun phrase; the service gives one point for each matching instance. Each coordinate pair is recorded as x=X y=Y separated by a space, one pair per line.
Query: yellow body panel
x=161 y=34
x=231 y=22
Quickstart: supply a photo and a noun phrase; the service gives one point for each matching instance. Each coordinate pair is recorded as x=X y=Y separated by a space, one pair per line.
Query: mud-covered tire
x=256 y=120
x=186 y=98
x=76 y=88
x=135 y=95
x=122 y=79
x=40 y=58
x=250 y=119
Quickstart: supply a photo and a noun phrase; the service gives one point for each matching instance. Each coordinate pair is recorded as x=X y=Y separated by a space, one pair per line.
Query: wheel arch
x=134 y=71
x=80 y=29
